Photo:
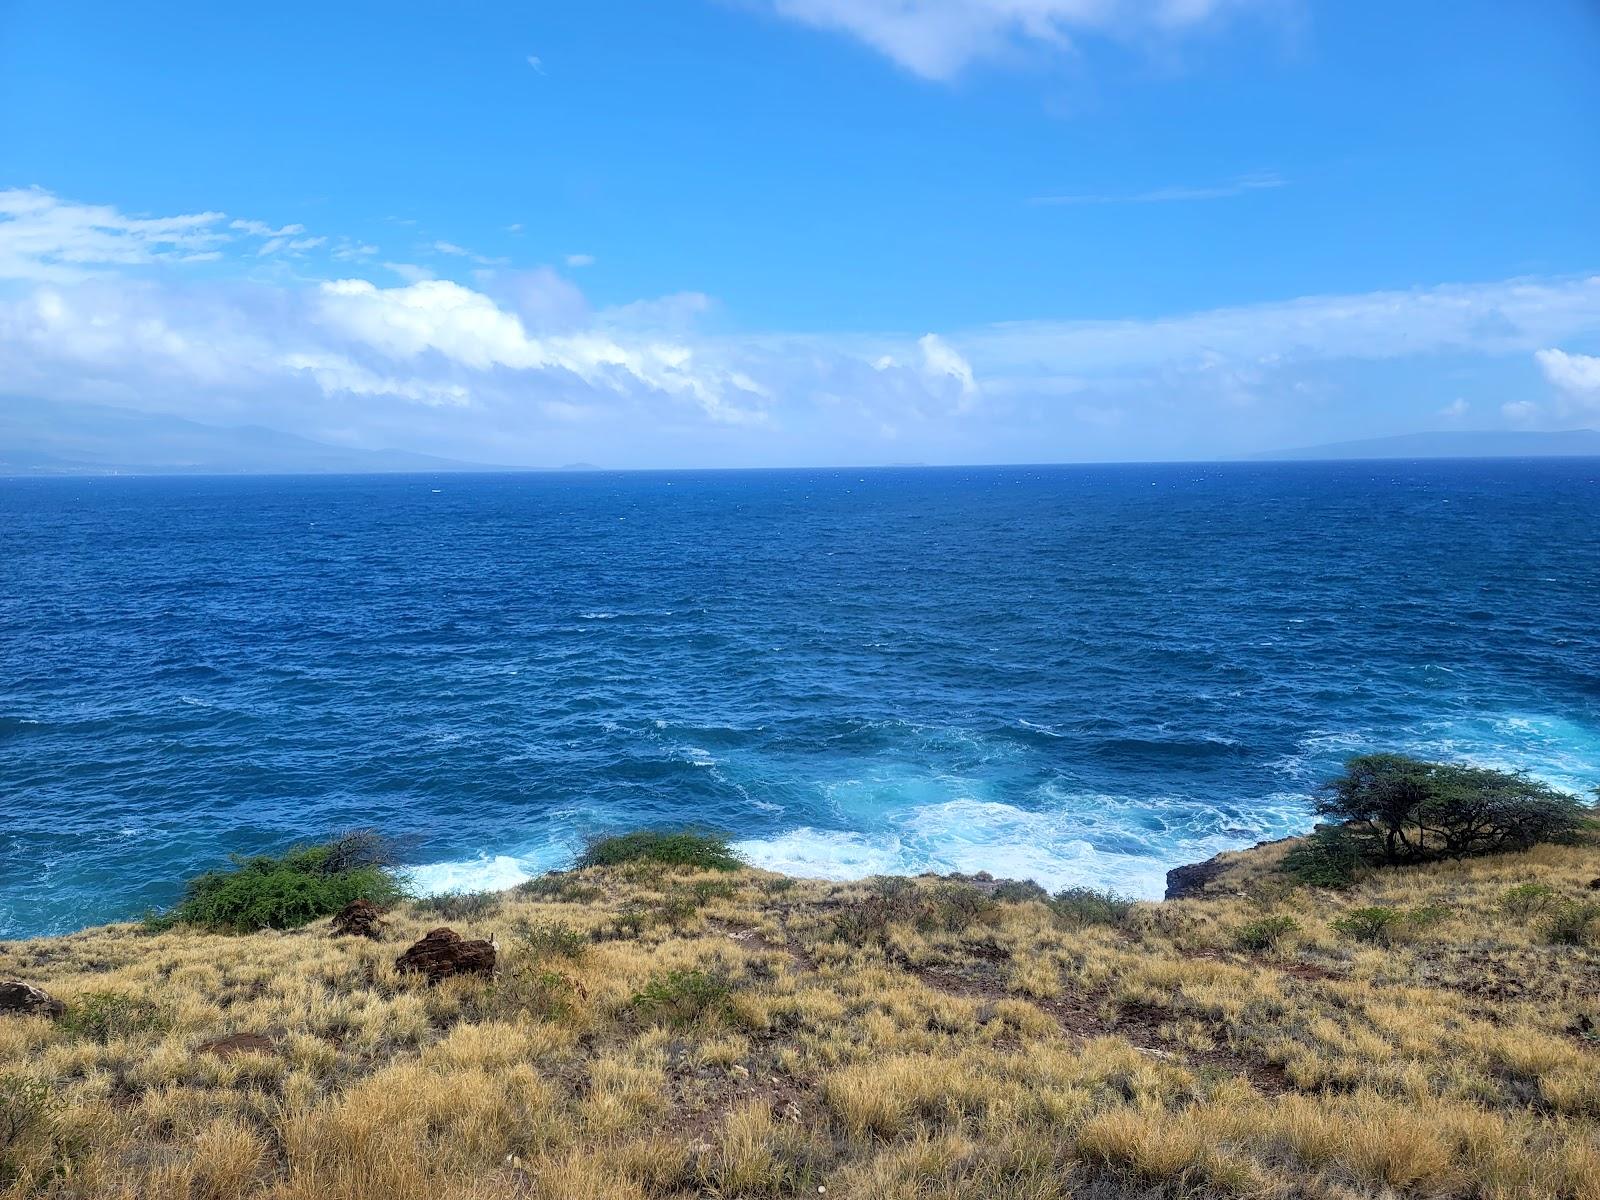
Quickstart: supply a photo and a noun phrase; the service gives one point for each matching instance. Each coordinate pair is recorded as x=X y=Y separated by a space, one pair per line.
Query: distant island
x=1567 y=443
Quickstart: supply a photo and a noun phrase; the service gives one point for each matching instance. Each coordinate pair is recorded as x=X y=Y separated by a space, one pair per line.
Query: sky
x=806 y=232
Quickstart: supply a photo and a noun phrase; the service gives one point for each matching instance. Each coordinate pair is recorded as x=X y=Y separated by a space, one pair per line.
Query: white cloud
x=1520 y=412
x=1256 y=181
x=1455 y=410
x=48 y=240
x=939 y=38
x=580 y=260
x=941 y=362
x=1577 y=374
x=536 y=63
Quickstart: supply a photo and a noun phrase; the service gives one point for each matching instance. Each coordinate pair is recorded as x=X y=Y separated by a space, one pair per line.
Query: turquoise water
x=1079 y=674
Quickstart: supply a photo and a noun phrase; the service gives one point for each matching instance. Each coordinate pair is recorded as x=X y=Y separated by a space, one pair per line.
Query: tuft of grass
x=560 y=887
x=287 y=891
x=550 y=939
x=684 y=848
x=27 y=1108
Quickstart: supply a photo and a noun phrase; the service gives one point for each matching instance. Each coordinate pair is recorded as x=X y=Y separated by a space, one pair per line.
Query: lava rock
x=25 y=1000
x=1193 y=879
x=1594 y=885
x=445 y=953
x=359 y=918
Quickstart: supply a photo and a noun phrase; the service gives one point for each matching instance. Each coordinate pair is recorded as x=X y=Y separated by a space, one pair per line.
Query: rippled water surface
x=1083 y=674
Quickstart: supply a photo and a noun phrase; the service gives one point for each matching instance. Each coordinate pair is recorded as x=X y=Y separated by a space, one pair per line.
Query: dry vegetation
x=662 y=1032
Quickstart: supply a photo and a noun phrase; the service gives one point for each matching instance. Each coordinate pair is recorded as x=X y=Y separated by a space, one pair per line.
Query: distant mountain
x=1572 y=443
x=46 y=438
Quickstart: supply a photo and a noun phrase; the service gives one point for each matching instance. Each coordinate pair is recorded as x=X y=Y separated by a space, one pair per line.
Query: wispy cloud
x=580 y=260
x=536 y=63
x=938 y=39
x=1255 y=181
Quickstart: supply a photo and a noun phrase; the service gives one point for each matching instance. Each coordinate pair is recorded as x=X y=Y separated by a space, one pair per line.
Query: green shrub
x=1405 y=810
x=102 y=1016
x=1575 y=923
x=1375 y=923
x=952 y=907
x=1528 y=900
x=685 y=848
x=462 y=906
x=559 y=887
x=1329 y=858
x=539 y=992
x=704 y=891
x=263 y=892
x=544 y=939
x=682 y=997
x=1018 y=891
x=1265 y=933
x=1081 y=906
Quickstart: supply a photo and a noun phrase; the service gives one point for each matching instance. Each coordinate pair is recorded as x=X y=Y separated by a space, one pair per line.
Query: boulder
x=1594 y=885
x=444 y=953
x=1193 y=878
x=359 y=918
x=23 y=999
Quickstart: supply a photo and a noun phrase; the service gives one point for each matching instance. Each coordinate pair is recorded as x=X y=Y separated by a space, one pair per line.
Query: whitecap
x=485 y=873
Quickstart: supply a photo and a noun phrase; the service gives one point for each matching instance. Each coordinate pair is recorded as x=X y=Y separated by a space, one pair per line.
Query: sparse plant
x=560 y=887
x=1575 y=923
x=1375 y=924
x=703 y=850
x=549 y=939
x=682 y=997
x=103 y=1016
x=1528 y=900
x=541 y=992
x=27 y=1108
x=1265 y=933
x=462 y=906
x=1082 y=906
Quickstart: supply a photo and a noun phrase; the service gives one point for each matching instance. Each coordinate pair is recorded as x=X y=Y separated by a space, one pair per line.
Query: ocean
x=1078 y=674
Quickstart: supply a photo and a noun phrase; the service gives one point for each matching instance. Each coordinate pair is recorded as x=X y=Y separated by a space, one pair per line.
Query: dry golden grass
x=779 y=1038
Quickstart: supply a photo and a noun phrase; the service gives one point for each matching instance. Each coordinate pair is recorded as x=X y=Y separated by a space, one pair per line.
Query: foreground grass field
x=665 y=1031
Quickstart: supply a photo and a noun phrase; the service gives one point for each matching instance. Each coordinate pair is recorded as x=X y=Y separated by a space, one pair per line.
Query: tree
x=1405 y=810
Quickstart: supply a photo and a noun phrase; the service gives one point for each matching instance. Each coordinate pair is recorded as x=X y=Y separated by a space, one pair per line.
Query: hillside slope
x=662 y=1033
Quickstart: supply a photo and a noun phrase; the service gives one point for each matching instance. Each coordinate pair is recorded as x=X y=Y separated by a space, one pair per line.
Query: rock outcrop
x=359 y=918
x=445 y=953
x=23 y=999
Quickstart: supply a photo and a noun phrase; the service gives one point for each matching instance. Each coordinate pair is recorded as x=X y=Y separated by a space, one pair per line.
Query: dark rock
x=1594 y=885
x=239 y=1043
x=444 y=953
x=23 y=999
x=1193 y=879
x=359 y=918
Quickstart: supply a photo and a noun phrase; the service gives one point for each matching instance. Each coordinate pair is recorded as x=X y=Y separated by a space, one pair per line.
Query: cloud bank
x=515 y=366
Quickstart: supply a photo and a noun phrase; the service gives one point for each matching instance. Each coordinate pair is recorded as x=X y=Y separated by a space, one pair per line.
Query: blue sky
x=750 y=232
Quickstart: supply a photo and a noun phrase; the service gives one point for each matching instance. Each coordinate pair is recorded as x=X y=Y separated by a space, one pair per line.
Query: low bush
x=682 y=997
x=1265 y=933
x=266 y=892
x=1528 y=900
x=1575 y=923
x=1018 y=891
x=685 y=848
x=1329 y=858
x=1381 y=925
x=947 y=907
x=102 y=1016
x=462 y=906
x=560 y=887
x=1081 y=906
x=549 y=939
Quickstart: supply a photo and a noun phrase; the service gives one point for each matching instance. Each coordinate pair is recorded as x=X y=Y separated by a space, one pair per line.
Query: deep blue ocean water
x=1079 y=674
